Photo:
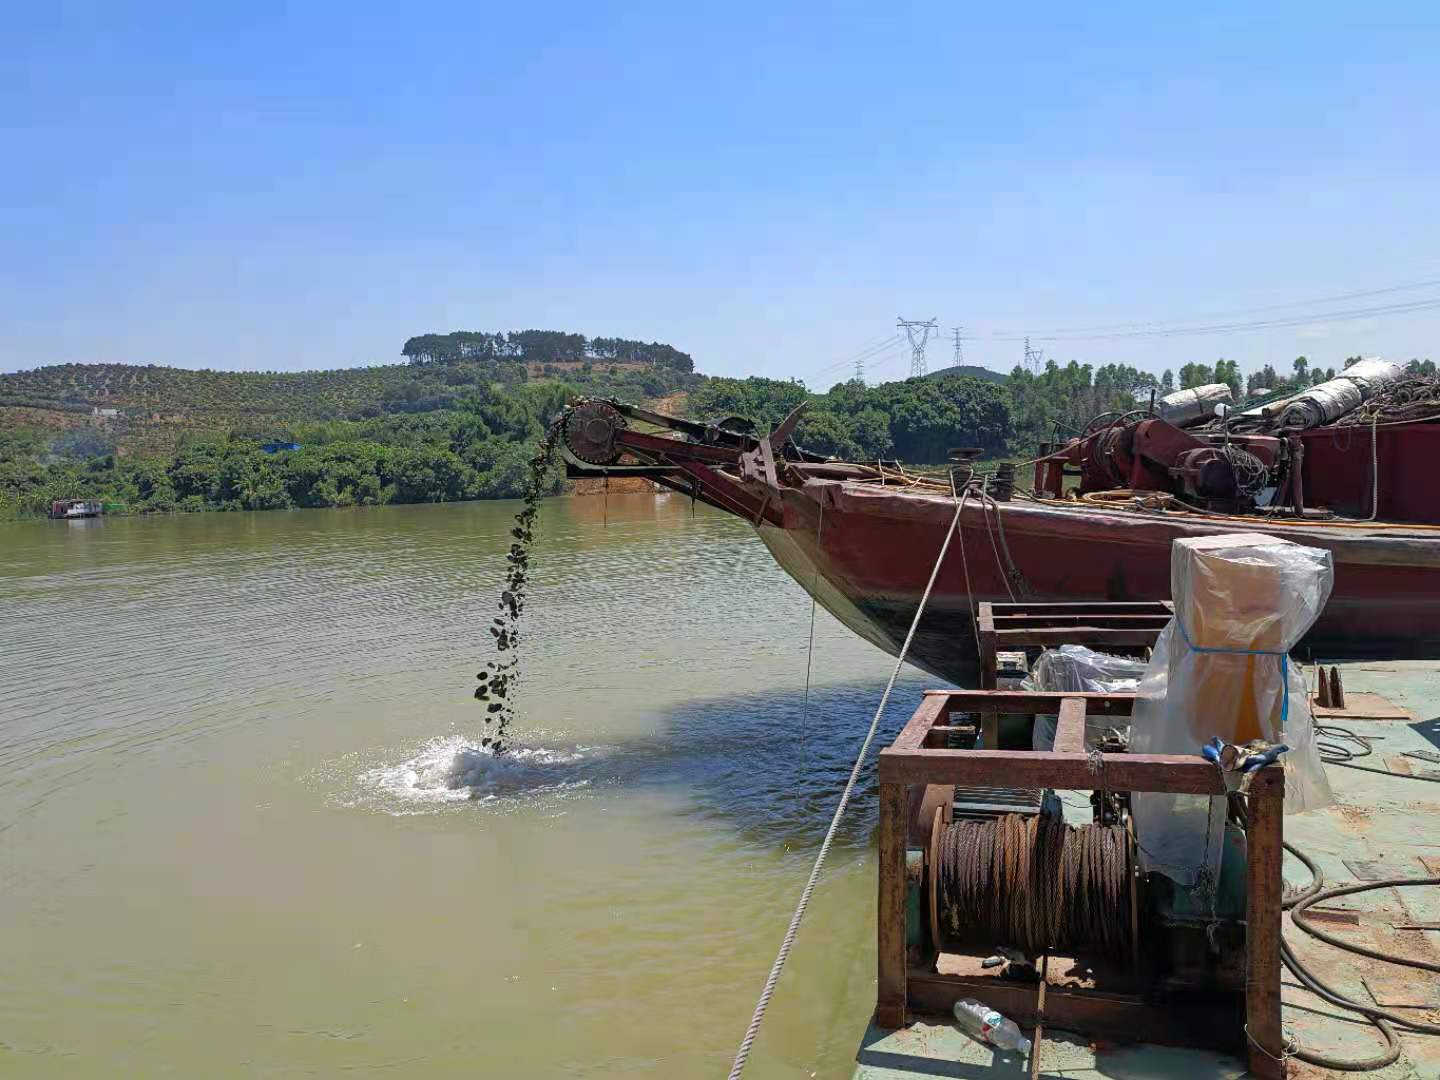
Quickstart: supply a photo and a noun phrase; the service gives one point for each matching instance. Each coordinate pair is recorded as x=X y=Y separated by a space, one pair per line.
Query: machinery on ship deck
x=1050 y=920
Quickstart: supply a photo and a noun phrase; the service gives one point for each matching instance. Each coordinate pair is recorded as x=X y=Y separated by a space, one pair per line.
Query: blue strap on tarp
x=1284 y=665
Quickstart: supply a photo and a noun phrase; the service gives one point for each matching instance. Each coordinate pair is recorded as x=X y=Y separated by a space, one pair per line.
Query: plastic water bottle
x=985 y=1023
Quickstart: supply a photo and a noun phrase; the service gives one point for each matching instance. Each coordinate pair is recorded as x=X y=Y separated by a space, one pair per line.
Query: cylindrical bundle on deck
x=1034 y=884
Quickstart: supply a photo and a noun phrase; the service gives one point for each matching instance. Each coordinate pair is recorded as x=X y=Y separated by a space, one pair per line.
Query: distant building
x=76 y=508
x=276 y=447
x=95 y=410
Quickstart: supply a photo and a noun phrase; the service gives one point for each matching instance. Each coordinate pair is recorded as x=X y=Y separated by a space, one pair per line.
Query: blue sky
x=274 y=187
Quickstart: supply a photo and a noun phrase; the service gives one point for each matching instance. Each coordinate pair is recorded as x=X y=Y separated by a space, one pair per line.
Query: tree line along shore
x=460 y=419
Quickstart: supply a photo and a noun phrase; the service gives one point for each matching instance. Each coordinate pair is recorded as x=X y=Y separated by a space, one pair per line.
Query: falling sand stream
x=502 y=674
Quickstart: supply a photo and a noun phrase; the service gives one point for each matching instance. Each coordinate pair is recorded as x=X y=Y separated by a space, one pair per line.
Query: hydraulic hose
x=1386 y=1022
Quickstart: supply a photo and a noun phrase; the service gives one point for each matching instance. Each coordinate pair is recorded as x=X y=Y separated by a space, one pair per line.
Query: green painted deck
x=1394 y=822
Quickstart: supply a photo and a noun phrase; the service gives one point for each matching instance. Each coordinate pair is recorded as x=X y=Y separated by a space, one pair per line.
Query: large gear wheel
x=590 y=431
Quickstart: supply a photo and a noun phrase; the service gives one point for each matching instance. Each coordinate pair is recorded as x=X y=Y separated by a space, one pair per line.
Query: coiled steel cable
x=1035 y=883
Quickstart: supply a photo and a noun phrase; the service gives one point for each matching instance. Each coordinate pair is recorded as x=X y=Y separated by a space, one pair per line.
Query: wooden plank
x=989 y=674
x=890 y=966
x=1175 y=773
x=1360 y=706
x=1028 y=701
x=930 y=712
x=1070 y=727
x=1075 y=635
x=989 y=661
x=1210 y=1021
x=1263 y=840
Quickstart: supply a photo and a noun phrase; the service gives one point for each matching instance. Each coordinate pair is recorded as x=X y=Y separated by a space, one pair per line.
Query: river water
x=245 y=829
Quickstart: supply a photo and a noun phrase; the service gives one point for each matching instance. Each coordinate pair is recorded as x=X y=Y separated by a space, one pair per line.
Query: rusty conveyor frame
x=918 y=759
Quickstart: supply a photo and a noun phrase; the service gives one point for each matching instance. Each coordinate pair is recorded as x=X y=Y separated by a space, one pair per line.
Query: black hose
x=1328 y=740
x=1298 y=910
x=1387 y=772
x=1319 y=989
x=1386 y=1022
x=1332 y=753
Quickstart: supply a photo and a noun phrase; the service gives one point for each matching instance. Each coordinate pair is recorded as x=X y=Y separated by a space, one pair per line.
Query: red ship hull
x=864 y=539
x=868 y=562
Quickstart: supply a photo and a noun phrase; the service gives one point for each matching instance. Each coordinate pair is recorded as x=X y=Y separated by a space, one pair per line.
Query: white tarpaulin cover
x=1075 y=667
x=1242 y=602
x=1195 y=404
x=1345 y=393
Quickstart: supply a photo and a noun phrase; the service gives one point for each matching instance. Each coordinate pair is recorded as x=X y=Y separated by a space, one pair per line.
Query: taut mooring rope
x=765 y=994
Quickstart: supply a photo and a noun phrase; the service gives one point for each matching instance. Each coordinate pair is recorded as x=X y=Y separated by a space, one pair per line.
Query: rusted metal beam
x=659 y=446
x=931 y=711
x=1039 y=1036
x=1081 y=607
x=890 y=965
x=1076 y=635
x=1173 y=773
x=1212 y=1021
x=1028 y=701
x=1264 y=837
x=728 y=494
x=1119 y=621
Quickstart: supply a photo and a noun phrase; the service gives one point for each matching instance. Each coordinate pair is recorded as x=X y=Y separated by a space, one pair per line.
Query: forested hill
x=457 y=421
x=439 y=367
x=970 y=371
x=171 y=391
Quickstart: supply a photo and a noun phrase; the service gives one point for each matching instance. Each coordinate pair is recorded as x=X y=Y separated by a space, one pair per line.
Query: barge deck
x=1380 y=827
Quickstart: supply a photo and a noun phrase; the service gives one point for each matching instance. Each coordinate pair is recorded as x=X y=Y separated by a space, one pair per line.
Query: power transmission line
x=1334 y=298
x=959 y=349
x=860 y=357
x=1427 y=304
x=917 y=346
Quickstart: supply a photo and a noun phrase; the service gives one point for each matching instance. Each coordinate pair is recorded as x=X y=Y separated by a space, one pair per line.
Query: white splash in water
x=455 y=769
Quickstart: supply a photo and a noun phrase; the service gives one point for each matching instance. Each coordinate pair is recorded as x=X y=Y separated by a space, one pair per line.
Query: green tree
x=1228 y=372
x=1193 y=375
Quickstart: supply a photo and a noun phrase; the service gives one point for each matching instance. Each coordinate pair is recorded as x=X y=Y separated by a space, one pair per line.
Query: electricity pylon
x=917 y=343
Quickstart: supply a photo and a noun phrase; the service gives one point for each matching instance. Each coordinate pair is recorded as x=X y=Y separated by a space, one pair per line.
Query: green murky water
x=246 y=828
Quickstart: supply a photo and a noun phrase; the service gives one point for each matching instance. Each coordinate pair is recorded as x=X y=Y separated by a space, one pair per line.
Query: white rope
x=764 y=1002
x=810 y=649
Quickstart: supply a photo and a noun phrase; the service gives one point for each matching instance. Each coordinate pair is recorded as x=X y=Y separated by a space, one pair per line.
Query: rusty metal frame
x=1024 y=625
x=917 y=758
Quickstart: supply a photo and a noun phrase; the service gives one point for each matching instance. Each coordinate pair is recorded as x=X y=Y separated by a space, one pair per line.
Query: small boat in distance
x=69 y=509
x=862 y=538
